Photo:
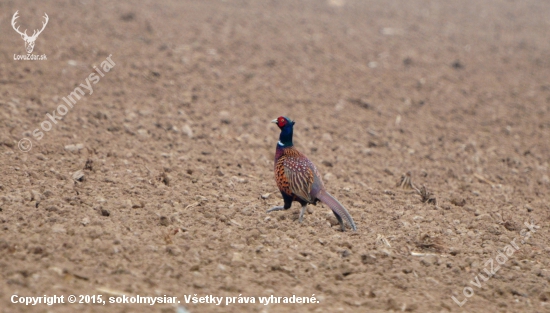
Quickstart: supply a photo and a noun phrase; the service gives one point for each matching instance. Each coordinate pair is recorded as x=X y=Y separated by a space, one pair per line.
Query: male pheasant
x=298 y=178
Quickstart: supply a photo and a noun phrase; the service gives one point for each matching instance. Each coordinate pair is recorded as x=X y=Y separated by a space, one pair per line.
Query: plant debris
x=406 y=182
x=427 y=242
x=425 y=195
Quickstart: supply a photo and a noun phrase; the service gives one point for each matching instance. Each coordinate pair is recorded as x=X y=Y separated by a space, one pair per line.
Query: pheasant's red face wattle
x=281 y=121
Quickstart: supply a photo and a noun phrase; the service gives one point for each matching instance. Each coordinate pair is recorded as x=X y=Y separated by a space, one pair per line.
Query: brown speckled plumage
x=294 y=174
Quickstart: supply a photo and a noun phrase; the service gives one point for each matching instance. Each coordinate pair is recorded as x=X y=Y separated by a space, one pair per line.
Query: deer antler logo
x=29 y=40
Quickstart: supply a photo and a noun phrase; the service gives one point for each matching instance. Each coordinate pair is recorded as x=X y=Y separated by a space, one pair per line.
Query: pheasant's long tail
x=336 y=207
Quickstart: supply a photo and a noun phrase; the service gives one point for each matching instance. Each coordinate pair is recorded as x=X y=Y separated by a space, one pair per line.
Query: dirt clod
x=164 y=221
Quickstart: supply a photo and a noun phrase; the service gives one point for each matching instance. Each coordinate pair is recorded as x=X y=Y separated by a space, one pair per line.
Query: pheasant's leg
x=340 y=221
x=302 y=212
x=288 y=204
x=276 y=208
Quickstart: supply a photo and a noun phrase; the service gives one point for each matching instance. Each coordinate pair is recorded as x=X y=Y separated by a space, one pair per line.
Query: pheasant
x=299 y=180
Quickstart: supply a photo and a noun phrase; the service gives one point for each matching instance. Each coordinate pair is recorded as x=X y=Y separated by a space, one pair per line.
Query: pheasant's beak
x=275 y=121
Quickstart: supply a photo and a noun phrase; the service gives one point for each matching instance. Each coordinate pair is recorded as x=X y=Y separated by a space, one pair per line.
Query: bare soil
x=175 y=151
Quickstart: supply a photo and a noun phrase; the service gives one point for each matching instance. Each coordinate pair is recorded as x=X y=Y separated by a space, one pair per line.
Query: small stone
x=58 y=229
x=41 y=157
x=238 y=246
x=368 y=259
x=453 y=251
x=35 y=195
x=484 y=216
x=85 y=221
x=345 y=253
x=393 y=305
x=328 y=176
x=52 y=208
x=105 y=212
x=265 y=195
x=458 y=201
x=199 y=283
x=240 y=180
x=27 y=196
x=366 y=151
x=186 y=129
x=78 y=176
x=511 y=226
x=237 y=259
x=425 y=263
x=73 y=148
x=327 y=137
x=173 y=250
x=225 y=117
x=235 y=223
